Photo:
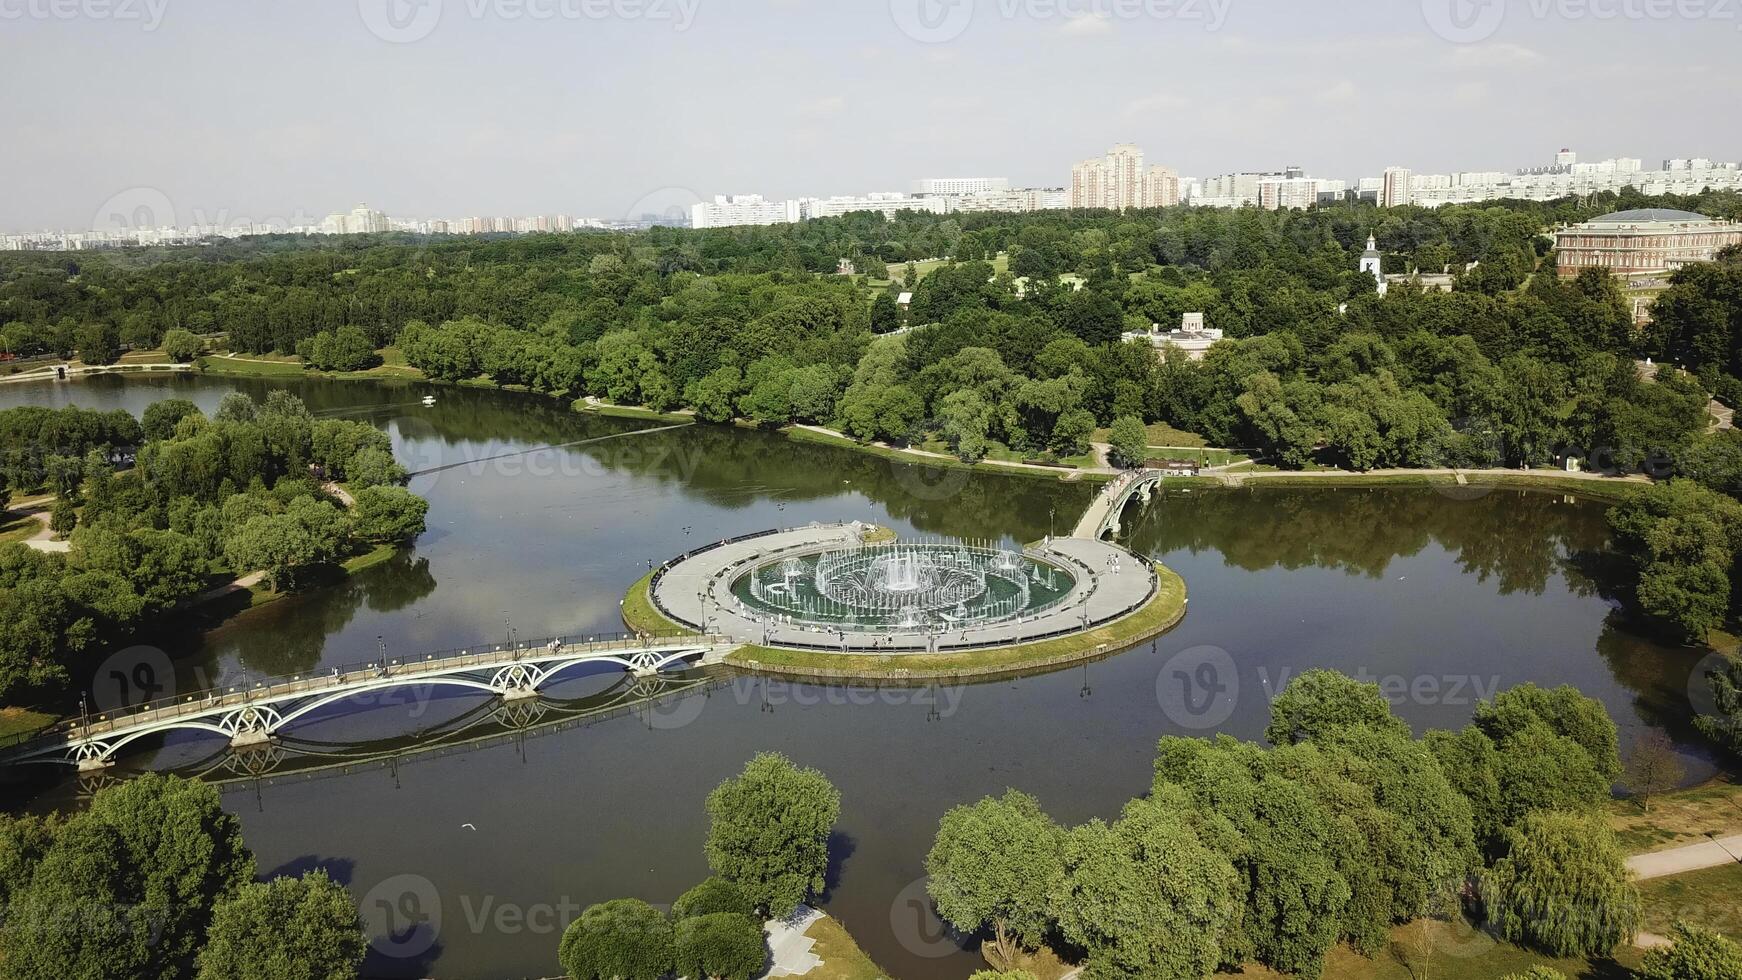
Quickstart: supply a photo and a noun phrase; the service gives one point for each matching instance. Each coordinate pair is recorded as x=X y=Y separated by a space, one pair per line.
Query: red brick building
x=1643 y=241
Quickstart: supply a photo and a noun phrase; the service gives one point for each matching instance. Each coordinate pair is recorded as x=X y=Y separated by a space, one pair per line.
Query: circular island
x=847 y=600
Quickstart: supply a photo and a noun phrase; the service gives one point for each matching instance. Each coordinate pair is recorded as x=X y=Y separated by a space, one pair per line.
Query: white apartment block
x=1574 y=179
x=360 y=220
x=889 y=204
x=729 y=210
x=959 y=186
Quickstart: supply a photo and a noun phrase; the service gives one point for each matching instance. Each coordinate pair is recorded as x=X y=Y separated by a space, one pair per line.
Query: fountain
x=903 y=587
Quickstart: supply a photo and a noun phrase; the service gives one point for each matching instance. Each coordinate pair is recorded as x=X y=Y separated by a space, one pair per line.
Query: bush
x=725 y=945
x=714 y=894
x=625 y=939
x=1694 y=954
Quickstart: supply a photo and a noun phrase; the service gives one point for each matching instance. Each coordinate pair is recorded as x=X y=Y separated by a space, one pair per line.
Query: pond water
x=469 y=850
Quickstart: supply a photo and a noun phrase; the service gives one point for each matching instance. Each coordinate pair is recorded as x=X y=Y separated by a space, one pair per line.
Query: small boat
x=428 y=400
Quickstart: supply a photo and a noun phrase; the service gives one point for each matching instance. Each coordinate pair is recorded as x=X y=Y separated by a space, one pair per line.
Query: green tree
x=1563 y=887
x=885 y=314
x=98 y=342
x=373 y=467
x=161 y=417
x=63 y=518
x=1723 y=724
x=623 y=939
x=388 y=515
x=181 y=346
x=996 y=864
x=720 y=945
x=287 y=929
x=1319 y=703
x=714 y=894
x=128 y=887
x=769 y=831
x=1128 y=443
x=1147 y=897
x=1694 y=953
x=1071 y=433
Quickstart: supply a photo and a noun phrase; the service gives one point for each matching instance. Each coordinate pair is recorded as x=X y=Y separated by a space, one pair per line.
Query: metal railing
x=271 y=688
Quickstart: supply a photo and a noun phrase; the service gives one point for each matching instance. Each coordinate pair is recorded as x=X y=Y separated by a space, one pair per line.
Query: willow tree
x=1563 y=886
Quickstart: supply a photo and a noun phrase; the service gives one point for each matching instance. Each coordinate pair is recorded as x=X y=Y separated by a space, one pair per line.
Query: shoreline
x=1459 y=483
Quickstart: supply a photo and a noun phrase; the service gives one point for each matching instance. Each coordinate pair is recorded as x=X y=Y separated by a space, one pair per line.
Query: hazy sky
x=220 y=110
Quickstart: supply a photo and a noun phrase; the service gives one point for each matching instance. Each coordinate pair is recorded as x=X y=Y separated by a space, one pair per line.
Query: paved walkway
x=788 y=947
x=1692 y=857
x=698 y=592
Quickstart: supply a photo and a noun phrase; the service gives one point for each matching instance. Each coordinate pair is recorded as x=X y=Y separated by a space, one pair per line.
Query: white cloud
x=1343 y=92
x=1502 y=54
x=1086 y=25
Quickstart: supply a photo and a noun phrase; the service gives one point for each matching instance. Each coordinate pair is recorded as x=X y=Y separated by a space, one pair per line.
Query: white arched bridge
x=1101 y=519
x=254 y=714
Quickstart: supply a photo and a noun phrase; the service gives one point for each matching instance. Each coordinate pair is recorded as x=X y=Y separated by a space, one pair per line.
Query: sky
x=220 y=111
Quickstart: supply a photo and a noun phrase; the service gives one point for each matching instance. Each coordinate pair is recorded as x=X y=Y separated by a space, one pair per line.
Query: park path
x=1712 y=853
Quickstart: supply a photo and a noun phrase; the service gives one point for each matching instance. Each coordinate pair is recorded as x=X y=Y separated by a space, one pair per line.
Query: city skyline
x=585 y=126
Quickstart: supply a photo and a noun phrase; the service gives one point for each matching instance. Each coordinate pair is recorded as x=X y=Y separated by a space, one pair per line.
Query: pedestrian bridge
x=1102 y=518
x=253 y=714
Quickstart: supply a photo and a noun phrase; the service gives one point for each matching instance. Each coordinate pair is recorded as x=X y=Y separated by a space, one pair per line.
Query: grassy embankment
x=1164 y=610
x=392 y=366
x=842 y=958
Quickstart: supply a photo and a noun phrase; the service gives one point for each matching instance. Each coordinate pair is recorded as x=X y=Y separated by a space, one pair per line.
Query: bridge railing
x=267 y=688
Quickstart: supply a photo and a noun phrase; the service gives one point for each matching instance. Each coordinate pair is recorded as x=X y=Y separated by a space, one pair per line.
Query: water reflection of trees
x=289 y=635
x=1517 y=538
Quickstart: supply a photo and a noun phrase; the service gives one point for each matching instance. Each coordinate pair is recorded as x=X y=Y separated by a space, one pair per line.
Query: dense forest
x=209 y=499
x=1011 y=346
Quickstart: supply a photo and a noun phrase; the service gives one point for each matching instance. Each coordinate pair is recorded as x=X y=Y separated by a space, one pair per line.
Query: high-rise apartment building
x=1120 y=181
x=1397 y=189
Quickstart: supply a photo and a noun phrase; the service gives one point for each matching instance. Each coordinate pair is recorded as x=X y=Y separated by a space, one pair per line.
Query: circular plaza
x=845 y=588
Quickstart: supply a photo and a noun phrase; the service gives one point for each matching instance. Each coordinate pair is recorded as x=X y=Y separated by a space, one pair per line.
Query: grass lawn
x=1450 y=951
x=17 y=527
x=369 y=559
x=998 y=453
x=1679 y=818
x=257 y=366
x=842 y=958
x=284 y=366
x=1000 y=264
x=630 y=412
x=1711 y=898
x=639 y=614
x=22 y=721
x=1163 y=612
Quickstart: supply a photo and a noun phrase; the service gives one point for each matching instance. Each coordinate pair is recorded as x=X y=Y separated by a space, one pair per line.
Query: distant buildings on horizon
x=1118 y=180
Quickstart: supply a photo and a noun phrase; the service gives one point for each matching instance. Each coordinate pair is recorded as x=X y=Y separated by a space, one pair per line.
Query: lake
x=470 y=846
